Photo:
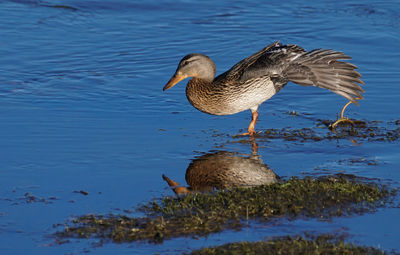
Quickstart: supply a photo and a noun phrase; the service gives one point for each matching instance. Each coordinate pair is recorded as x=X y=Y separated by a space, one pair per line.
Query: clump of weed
x=362 y=130
x=204 y=213
x=323 y=244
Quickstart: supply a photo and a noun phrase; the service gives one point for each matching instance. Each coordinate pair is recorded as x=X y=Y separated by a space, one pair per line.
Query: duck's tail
x=323 y=69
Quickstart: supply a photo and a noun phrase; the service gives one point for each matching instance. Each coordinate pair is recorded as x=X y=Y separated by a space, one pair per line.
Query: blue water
x=82 y=108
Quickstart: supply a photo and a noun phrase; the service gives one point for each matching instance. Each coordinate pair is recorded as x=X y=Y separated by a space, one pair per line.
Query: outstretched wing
x=284 y=63
x=322 y=68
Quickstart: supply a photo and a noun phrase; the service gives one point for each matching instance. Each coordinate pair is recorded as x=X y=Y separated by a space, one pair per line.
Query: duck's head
x=193 y=65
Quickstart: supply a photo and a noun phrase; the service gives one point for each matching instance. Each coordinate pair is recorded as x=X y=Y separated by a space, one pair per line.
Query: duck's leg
x=342 y=118
x=254 y=117
x=251 y=130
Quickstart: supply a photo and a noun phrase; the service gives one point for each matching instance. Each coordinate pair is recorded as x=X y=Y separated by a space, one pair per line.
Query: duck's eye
x=185 y=63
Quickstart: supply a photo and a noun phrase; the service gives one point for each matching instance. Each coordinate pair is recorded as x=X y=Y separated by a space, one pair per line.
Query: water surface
x=82 y=109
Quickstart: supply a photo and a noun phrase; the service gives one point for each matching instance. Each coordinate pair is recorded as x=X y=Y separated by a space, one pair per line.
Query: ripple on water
x=82 y=106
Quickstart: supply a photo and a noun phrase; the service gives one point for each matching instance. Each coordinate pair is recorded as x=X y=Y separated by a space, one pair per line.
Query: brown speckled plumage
x=257 y=78
x=222 y=170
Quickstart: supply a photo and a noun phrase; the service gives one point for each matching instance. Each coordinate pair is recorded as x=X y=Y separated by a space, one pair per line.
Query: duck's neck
x=206 y=75
x=200 y=94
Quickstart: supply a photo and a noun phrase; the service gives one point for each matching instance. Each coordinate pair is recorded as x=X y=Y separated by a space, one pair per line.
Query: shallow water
x=82 y=109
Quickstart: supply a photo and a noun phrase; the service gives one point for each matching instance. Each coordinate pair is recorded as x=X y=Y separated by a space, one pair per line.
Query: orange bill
x=174 y=80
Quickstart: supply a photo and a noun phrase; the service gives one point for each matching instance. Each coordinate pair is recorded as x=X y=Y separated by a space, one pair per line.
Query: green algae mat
x=200 y=214
x=371 y=131
x=323 y=244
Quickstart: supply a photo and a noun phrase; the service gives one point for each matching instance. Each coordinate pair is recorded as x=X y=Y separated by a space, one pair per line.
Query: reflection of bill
x=224 y=170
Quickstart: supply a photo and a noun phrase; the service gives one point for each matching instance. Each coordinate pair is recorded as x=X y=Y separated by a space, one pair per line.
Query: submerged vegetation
x=323 y=244
x=204 y=213
x=356 y=129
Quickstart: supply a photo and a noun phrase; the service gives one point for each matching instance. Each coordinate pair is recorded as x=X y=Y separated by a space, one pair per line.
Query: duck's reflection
x=224 y=170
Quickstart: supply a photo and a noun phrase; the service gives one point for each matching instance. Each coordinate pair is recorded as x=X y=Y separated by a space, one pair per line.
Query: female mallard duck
x=257 y=78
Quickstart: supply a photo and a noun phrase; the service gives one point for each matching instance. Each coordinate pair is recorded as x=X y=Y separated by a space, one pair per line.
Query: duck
x=260 y=76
